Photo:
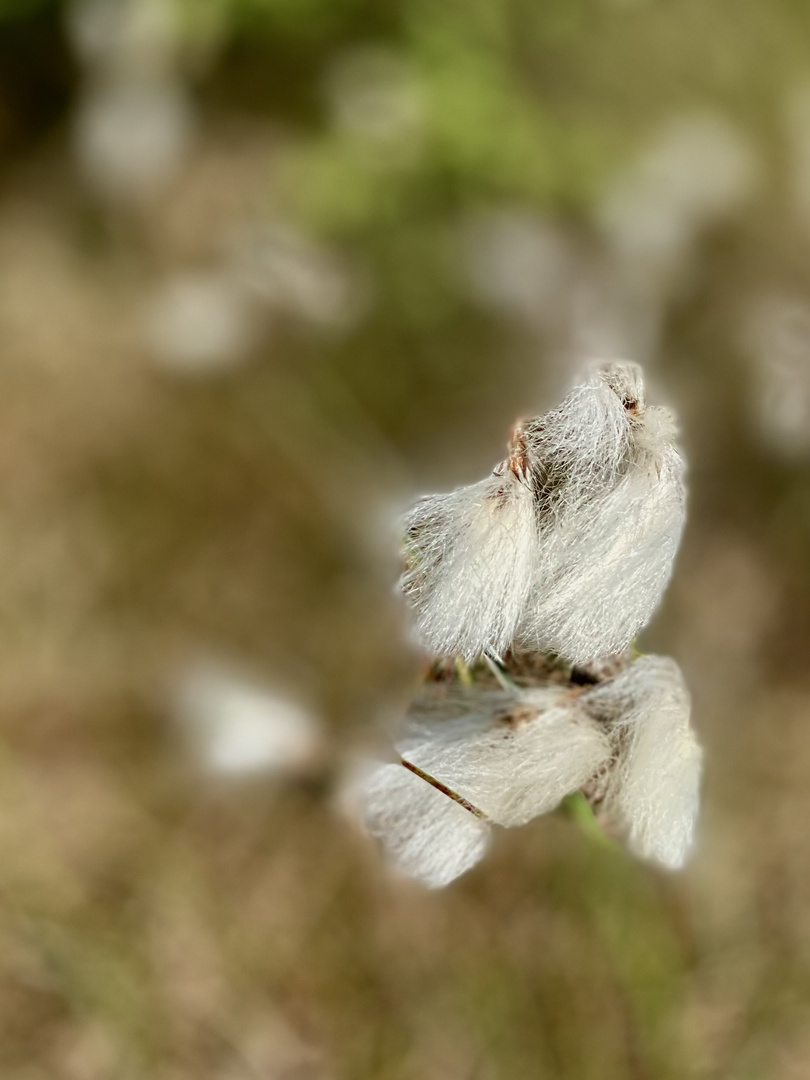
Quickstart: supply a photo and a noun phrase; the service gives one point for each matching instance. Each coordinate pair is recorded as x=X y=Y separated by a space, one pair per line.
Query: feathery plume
x=426 y=835
x=482 y=757
x=513 y=755
x=568 y=546
x=469 y=559
x=467 y=761
x=652 y=792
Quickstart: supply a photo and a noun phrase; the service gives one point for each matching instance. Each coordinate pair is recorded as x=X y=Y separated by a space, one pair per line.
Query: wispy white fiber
x=653 y=790
x=425 y=834
x=470 y=558
x=609 y=531
x=568 y=546
x=512 y=755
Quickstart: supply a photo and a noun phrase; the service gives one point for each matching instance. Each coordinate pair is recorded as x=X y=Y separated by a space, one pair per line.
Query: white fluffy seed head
x=653 y=790
x=514 y=756
x=569 y=545
x=611 y=513
x=510 y=755
x=469 y=558
x=425 y=834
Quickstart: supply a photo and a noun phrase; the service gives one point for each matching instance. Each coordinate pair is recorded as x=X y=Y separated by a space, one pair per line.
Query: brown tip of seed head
x=518 y=454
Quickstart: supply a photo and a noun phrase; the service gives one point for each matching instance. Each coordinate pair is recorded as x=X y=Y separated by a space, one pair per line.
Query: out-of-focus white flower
x=518 y=264
x=296 y=275
x=478 y=758
x=693 y=172
x=236 y=726
x=574 y=299
x=197 y=323
x=652 y=793
x=797 y=123
x=374 y=96
x=569 y=545
x=132 y=136
x=124 y=36
x=777 y=340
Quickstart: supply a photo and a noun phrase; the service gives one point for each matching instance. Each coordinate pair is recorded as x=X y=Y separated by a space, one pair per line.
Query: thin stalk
x=445 y=790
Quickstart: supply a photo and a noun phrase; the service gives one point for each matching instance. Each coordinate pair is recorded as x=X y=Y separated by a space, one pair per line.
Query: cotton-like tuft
x=610 y=518
x=514 y=756
x=504 y=757
x=470 y=557
x=569 y=545
x=509 y=756
x=425 y=834
x=652 y=792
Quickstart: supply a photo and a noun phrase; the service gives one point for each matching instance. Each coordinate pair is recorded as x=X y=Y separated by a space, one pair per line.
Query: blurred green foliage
x=21 y=9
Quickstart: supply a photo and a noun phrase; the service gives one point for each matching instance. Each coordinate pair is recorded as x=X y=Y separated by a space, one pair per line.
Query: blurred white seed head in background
x=605 y=317
x=694 y=172
x=296 y=275
x=131 y=137
x=518 y=264
x=776 y=339
x=124 y=37
x=374 y=96
x=797 y=131
x=200 y=323
x=566 y=294
x=237 y=726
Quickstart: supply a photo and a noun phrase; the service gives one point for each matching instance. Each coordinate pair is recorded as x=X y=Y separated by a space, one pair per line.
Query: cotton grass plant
x=528 y=589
